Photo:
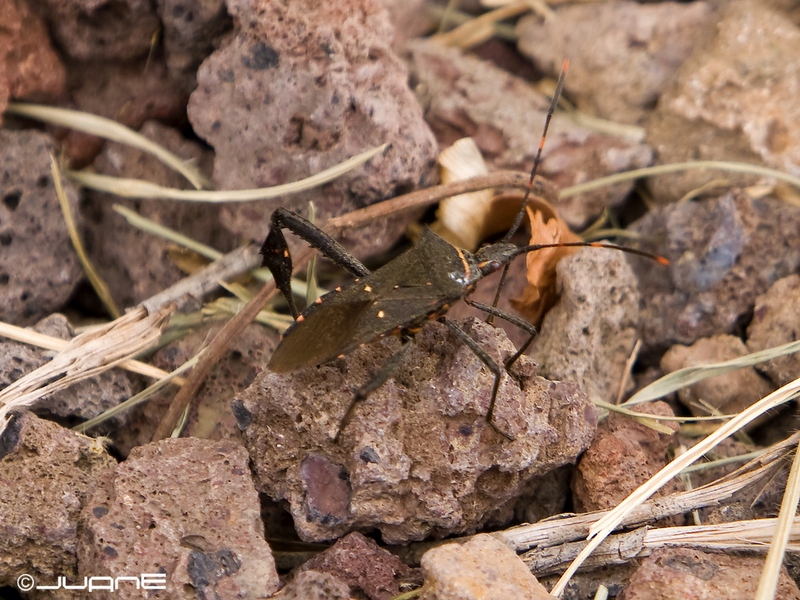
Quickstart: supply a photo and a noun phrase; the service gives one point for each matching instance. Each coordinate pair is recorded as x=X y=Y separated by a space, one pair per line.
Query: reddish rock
x=464 y=96
x=102 y=29
x=480 y=569
x=724 y=252
x=83 y=400
x=733 y=99
x=45 y=472
x=136 y=264
x=362 y=565
x=776 y=321
x=728 y=394
x=590 y=333
x=680 y=573
x=184 y=507
x=311 y=585
x=38 y=267
x=418 y=457
x=623 y=455
x=410 y=19
x=29 y=68
x=622 y=54
x=300 y=87
x=129 y=93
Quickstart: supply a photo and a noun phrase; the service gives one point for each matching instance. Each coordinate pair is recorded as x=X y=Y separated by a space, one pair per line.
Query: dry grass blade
x=110 y=130
x=86 y=355
x=28 y=336
x=785 y=533
x=436 y=12
x=481 y=28
x=172 y=377
x=734 y=167
x=608 y=523
x=138 y=188
x=153 y=228
x=95 y=280
x=691 y=375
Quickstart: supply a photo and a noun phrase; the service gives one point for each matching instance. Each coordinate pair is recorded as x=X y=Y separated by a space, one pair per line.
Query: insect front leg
x=278 y=260
x=490 y=363
x=514 y=320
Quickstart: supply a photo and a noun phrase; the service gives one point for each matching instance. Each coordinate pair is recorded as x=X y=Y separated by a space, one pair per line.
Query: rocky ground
x=267 y=490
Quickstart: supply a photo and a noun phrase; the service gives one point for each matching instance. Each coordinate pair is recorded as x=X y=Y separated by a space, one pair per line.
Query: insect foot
x=418 y=456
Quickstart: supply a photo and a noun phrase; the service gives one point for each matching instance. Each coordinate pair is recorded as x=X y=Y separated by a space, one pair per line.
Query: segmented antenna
x=537 y=159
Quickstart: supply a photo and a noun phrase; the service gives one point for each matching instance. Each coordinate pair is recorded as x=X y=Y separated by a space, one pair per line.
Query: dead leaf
x=546 y=228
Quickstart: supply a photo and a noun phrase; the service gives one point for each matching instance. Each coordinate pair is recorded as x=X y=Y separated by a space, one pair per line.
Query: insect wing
x=400 y=308
x=324 y=333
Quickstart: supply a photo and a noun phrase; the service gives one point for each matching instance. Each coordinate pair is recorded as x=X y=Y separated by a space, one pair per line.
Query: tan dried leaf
x=546 y=228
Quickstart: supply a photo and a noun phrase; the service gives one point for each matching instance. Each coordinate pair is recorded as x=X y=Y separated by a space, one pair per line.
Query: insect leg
x=278 y=260
x=386 y=372
x=514 y=320
x=489 y=362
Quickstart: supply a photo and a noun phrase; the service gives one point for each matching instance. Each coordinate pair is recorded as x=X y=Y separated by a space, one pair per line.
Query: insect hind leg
x=388 y=370
x=276 y=257
x=514 y=320
x=490 y=364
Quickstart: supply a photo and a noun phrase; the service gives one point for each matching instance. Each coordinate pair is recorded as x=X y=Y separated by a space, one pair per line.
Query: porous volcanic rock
x=622 y=54
x=418 y=456
x=483 y=567
x=29 y=68
x=299 y=88
x=623 y=455
x=128 y=93
x=38 y=267
x=136 y=264
x=724 y=252
x=464 y=96
x=590 y=333
x=776 y=321
x=83 y=400
x=102 y=29
x=363 y=566
x=183 y=507
x=191 y=31
x=679 y=573
x=725 y=394
x=210 y=414
x=45 y=472
x=732 y=100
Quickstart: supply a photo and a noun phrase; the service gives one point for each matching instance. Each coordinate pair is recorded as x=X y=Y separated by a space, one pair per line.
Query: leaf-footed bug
x=399 y=297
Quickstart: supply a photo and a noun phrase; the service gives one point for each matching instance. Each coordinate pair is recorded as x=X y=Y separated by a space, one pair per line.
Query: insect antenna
x=537 y=159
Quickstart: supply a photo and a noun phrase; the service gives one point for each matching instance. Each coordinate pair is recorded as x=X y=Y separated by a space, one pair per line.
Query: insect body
x=417 y=286
x=400 y=297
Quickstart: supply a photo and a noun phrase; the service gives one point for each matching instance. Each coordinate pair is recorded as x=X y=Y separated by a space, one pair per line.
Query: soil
x=280 y=483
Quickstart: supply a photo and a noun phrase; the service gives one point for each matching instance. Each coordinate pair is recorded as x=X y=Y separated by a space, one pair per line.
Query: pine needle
x=690 y=375
x=139 y=188
x=110 y=130
x=95 y=280
x=734 y=167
